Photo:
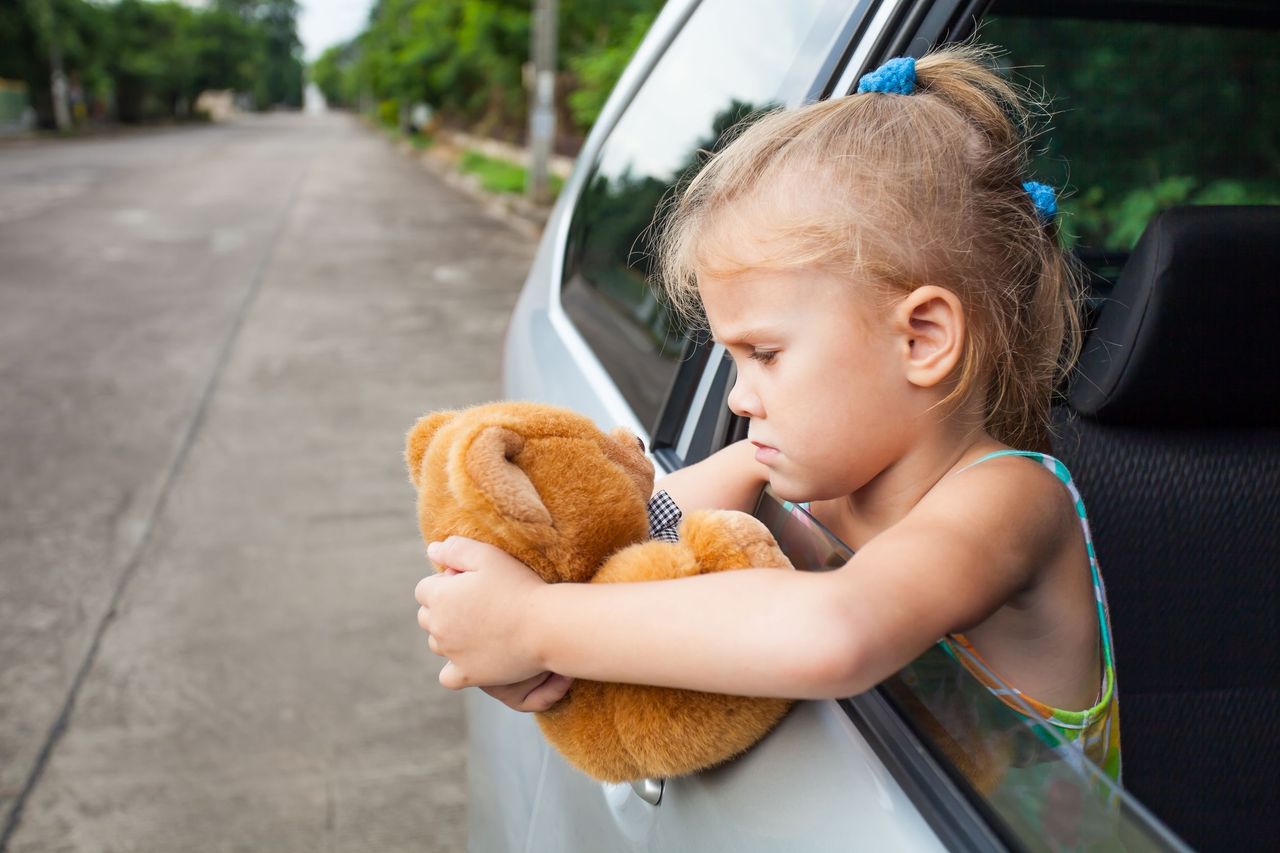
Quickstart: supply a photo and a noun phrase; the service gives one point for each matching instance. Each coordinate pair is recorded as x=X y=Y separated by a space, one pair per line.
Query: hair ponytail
x=1035 y=336
x=963 y=78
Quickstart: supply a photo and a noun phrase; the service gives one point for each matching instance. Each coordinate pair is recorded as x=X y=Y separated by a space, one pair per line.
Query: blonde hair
x=904 y=190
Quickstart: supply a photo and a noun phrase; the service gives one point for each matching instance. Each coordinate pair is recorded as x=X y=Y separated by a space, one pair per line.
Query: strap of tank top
x=1064 y=476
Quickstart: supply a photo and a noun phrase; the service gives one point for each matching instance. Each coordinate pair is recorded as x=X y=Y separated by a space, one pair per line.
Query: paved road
x=211 y=343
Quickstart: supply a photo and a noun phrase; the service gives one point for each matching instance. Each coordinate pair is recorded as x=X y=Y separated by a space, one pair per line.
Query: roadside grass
x=419 y=141
x=499 y=176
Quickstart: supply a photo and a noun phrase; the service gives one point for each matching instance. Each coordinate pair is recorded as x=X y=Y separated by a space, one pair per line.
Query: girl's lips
x=764 y=452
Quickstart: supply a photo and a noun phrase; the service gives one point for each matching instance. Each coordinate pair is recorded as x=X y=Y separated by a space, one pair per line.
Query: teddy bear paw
x=728 y=539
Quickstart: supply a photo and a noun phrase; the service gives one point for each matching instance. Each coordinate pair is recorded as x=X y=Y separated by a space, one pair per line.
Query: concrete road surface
x=212 y=341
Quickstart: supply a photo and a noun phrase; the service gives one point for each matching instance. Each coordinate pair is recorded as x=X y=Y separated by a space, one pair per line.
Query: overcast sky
x=324 y=23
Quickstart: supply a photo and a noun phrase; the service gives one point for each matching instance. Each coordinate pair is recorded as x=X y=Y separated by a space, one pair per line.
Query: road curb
x=516 y=212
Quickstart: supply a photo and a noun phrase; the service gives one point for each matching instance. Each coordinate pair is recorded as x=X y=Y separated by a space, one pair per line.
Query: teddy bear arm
x=648 y=561
x=724 y=539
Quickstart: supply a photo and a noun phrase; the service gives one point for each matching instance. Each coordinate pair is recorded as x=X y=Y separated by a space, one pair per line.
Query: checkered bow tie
x=664 y=518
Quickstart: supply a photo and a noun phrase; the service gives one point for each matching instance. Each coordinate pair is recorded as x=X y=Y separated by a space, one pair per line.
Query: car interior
x=1171 y=426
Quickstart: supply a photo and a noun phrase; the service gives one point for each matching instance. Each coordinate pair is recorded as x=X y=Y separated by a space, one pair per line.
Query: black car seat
x=1173 y=432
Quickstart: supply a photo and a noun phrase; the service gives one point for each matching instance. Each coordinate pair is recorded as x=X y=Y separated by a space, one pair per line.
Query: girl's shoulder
x=1023 y=500
x=1007 y=508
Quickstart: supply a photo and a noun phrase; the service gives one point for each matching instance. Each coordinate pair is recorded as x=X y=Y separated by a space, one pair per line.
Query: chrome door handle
x=649 y=790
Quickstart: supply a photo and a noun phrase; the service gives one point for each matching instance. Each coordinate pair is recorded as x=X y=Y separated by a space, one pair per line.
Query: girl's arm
x=953 y=561
x=730 y=478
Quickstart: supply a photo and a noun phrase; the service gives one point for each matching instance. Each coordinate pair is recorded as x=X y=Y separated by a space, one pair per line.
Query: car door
x=860 y=773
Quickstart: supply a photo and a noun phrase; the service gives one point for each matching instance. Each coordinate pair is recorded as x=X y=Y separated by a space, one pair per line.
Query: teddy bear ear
x=415 y=444
x=489 y=463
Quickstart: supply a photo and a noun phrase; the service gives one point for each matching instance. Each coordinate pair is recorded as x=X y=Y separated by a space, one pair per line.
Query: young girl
x=894 y=298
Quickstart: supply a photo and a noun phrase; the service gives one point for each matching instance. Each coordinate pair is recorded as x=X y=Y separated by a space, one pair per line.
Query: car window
x=1146 y=114
x=1038 y=789
x=732 y=58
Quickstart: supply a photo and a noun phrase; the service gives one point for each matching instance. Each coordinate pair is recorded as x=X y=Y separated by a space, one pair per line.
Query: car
x=1166 y=112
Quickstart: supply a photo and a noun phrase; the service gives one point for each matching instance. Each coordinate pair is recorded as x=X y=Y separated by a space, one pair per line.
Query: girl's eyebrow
x=753 y=334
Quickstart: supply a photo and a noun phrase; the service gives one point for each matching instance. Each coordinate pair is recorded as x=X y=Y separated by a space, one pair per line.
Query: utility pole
x=542 y=113
x=57 y=76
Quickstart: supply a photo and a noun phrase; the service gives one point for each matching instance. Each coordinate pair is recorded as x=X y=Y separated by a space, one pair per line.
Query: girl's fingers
x=460 y=553
x=424 y=619
x=433 y=644
x=452 y=678
x=512 y=695
x=538 y=693
x=427 y=586
x=547 y=693
x=422 y=591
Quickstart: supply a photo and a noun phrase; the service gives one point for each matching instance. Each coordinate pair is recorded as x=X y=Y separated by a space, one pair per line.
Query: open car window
x=1152 y=107
x=1030 y=787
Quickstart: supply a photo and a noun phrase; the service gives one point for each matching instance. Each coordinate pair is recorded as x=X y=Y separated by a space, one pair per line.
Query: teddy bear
x=569 y=500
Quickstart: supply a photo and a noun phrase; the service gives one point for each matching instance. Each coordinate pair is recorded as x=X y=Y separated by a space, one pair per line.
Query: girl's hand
x=533 y=694
x=477 y=615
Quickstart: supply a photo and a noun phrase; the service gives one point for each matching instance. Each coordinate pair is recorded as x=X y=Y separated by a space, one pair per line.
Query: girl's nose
x=744 y=402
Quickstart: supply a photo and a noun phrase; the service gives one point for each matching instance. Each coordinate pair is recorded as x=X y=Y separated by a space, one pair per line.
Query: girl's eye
x=763 y=356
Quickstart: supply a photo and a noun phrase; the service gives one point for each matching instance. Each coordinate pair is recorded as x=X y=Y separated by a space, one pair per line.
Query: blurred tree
x=278 y=75
x=83 y=32
x=465 y=58
x=598 y=44
x=334 y=71
x=152 y=59
x=140 y=60
x=228 y=50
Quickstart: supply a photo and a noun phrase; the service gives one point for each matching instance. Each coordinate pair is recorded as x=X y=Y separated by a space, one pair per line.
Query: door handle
x=649 y=790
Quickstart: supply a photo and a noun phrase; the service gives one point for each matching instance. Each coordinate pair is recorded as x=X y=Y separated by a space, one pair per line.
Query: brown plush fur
x=568 y=500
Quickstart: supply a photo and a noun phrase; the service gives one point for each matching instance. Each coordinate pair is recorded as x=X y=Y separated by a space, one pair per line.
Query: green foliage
x=152 y=59
x=1147 y=116
x=596 y=71
x=277 y=73
x=83 y=39
x=465 y=58
x=499 y=176
x=389 y=113
x=335 y=73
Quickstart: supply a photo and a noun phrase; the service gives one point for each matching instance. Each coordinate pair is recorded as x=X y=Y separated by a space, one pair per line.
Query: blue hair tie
x=895 y=77
x=1044 y=197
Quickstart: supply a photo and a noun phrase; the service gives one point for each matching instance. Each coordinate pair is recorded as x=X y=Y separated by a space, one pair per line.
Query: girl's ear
x=931 y=325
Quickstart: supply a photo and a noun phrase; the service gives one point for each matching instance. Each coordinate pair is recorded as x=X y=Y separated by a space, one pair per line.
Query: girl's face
x=820 y=375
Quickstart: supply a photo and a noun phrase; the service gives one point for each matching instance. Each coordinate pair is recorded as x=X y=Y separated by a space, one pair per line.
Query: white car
x=930 y=759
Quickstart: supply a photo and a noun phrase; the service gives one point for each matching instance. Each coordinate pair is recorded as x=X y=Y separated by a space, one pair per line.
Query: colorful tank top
x=1095 y=730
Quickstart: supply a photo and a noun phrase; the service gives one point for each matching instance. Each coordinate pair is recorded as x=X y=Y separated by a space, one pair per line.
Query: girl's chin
x=787 y=489
x=799 y=490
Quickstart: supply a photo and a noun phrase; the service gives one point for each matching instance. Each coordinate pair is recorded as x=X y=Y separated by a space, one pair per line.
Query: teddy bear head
x=542 y=483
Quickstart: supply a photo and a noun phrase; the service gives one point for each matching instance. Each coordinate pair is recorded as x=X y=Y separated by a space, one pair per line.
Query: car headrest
x=1190 y=335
